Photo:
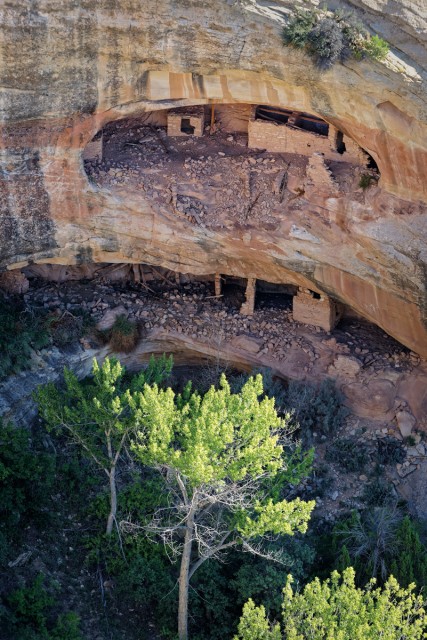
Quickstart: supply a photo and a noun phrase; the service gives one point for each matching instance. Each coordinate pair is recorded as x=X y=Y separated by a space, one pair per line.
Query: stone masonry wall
x=278 y=138
x=283 y=139
x=196 y=115
x=321 y=312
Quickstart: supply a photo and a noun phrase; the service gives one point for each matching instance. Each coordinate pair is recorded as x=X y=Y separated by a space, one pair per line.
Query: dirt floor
x=212 y=181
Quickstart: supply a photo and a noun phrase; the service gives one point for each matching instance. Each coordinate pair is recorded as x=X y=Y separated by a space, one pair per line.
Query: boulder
x=246 y=343
x=406 y=422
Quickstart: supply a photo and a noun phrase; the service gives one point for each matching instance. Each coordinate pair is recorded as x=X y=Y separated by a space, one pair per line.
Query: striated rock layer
x=66 y=70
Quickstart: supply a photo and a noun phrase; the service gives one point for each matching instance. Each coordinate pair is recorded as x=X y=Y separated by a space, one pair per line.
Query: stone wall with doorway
x=188 y=121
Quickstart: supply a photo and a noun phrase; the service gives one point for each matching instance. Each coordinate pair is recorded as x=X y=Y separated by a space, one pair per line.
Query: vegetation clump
x=123 y=335
x=332 y=36
x=337 y=608
x=20 y=333
x=366 y=180
x=159 y=485
x=381 y=542
x=26 y=475
x=29 y=615
x=349 y=454
x=222 y=459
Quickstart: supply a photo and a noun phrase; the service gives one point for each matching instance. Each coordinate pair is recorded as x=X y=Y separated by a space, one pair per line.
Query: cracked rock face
x=66 y=72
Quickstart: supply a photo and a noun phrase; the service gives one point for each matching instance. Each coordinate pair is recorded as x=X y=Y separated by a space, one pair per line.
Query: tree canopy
x=337 y=609
x=219 y=455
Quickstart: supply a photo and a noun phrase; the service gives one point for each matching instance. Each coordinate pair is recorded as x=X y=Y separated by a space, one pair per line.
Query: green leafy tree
x=410 y=563
x=97 y=414
x=219 y=456
x=337 y=609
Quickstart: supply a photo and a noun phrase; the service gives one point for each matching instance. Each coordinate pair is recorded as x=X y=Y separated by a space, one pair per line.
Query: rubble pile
x=212 y=181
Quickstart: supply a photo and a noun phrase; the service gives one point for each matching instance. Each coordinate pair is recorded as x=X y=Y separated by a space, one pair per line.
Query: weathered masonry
x=284 y=131
x=316 y=309
x=189 y=121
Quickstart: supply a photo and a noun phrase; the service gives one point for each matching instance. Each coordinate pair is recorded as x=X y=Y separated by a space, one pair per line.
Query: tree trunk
x=113 y=501
x=184 y=579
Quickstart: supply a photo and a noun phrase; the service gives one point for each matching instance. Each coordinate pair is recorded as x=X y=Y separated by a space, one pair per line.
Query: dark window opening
x=233 y=292
x=372 y=164
x=272 y=114
x=340 y=142
x=315 y=295
x=186 y=126
x=310 y=123
x=274 y=296
x=303 y=121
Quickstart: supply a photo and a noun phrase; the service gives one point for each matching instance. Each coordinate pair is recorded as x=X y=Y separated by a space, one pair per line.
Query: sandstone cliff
x=68 y=69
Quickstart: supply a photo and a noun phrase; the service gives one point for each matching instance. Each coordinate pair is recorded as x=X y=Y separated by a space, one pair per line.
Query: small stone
x=405 y=422
x=363 y=478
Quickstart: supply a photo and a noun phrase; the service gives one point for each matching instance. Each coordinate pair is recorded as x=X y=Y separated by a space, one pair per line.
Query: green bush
x=365 y=181
x=27 y=615
x=317 y=408
x=371 y=541
x=349 y=454
x=20 y=333
x=380 y=542
x=326 y=43
x=378 y=493
x=123 y=335
x=410 y=563
x=376 y=48
x=297 y=31
x=331 y=36
x=27 y=473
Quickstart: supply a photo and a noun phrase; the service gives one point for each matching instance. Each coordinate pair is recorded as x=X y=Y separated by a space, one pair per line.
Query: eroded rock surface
x=68 y=71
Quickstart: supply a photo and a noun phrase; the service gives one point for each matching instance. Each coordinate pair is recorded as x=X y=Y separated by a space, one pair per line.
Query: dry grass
x=124 y=335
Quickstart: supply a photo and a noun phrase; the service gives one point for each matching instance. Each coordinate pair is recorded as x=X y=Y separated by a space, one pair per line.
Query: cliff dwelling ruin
x=224 y=164
x=218 y=166
x=182 y=188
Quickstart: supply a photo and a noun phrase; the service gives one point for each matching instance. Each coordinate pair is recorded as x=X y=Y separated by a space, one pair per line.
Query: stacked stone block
x=195 y=117
x=320 y=311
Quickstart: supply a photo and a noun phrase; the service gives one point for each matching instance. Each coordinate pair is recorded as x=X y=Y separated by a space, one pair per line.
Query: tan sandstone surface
x=69 y=68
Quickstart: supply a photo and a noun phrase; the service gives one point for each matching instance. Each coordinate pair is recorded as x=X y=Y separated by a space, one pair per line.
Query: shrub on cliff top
x=331 y=37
